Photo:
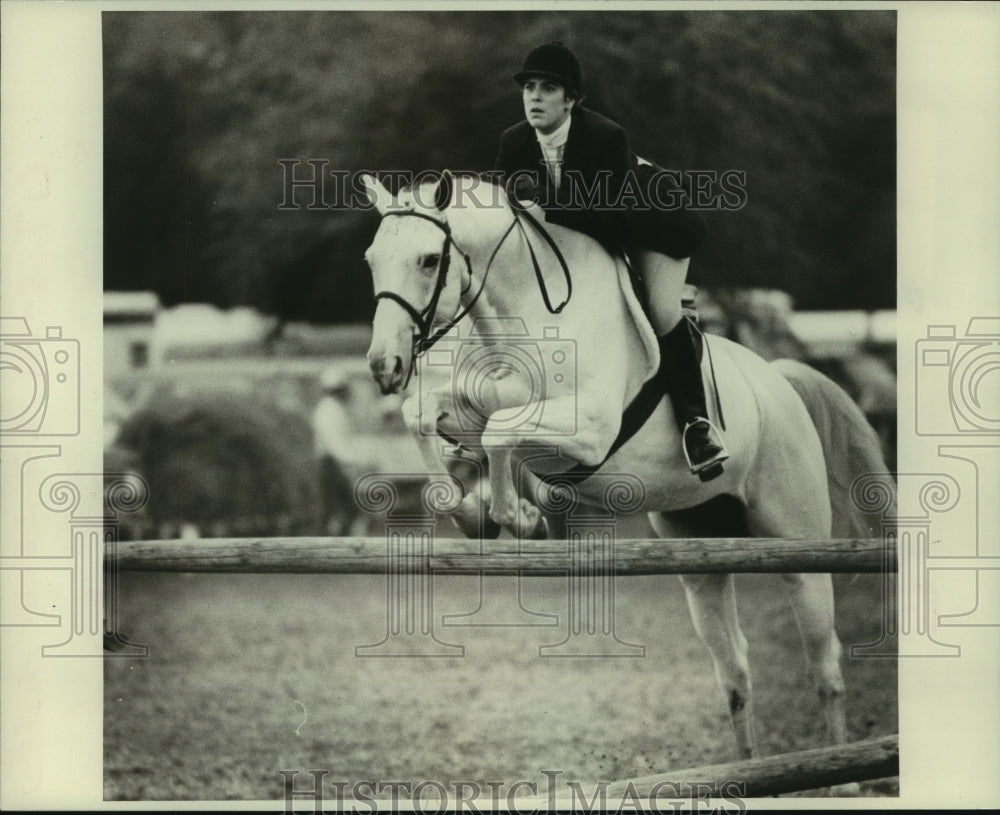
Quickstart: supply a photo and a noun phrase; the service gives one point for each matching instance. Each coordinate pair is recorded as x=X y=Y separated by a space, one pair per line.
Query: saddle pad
x=651 y=347
x=651 y=357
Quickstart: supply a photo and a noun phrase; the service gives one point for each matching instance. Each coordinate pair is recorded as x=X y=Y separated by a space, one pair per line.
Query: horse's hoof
x=474 y=521
x=501 y=519
x=530 y=523
x=710 y=472
x=541 y=530
x=486 y=529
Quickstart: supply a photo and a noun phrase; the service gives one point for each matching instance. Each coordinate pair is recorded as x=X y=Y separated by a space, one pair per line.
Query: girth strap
x=637 y=413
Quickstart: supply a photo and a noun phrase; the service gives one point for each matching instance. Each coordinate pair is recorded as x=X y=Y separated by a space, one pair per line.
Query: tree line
x=202 y=108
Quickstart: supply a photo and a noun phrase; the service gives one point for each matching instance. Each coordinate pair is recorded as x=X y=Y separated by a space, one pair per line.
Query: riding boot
x=680 y=350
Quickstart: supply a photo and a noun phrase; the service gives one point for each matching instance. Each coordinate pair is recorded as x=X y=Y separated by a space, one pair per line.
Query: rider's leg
x=664 y=281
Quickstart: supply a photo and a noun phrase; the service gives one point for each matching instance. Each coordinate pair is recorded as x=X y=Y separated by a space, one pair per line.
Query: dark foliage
x=201 y=107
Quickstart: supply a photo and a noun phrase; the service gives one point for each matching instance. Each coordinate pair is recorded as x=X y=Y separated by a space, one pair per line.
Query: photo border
x=949 y=184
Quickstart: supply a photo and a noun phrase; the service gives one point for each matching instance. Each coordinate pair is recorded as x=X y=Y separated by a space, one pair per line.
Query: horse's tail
x=851 y=447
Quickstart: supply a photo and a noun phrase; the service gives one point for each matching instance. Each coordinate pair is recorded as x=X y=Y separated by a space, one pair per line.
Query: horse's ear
x=442 y=197
x=378 y=195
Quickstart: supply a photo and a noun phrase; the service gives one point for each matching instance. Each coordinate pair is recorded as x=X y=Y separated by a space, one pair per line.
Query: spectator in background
x=333 y=434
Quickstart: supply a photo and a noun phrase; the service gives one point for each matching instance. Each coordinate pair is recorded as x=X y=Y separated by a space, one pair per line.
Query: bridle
x=423 y=319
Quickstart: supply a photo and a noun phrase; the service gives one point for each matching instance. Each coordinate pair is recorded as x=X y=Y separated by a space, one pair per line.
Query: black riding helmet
x=553 y=61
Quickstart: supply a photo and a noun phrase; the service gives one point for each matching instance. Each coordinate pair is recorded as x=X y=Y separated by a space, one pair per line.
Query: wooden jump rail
x=773 y=775
x=630 y=557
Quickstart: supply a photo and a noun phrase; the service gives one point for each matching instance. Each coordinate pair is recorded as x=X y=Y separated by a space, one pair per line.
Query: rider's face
x=546 y=105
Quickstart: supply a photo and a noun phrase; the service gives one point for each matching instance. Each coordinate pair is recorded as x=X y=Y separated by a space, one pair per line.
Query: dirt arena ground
x=249 y=675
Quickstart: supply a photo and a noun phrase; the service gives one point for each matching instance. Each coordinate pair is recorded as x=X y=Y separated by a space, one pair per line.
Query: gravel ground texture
x=249 y=675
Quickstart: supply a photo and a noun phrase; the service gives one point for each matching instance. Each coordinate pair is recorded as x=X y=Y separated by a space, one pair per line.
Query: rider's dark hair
x=571 y=94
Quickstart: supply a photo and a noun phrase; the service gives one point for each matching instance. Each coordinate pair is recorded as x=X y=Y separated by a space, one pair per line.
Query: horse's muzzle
x=388 y=373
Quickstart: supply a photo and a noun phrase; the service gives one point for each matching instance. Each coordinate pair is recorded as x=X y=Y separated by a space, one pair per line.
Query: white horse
x=457 y=249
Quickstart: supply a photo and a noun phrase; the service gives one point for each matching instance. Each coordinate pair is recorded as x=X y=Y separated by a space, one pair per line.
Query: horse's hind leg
x=811 y=597
x=812 y=603
x=797 y=505
x=712 y=602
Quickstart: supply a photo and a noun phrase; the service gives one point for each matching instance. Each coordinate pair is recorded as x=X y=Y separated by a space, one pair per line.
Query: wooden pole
x=788 y=772
x=631 y=557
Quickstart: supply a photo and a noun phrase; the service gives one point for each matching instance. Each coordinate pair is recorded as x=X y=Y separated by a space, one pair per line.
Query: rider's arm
x=508 y=166
x=604 y=217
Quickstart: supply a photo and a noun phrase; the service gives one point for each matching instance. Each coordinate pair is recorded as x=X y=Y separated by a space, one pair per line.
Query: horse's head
x=415 y=281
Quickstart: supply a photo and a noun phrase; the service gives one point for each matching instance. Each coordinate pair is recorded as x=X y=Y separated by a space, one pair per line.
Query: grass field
x=252 y=674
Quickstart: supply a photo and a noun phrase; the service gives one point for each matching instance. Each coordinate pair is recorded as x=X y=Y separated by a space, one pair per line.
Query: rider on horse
x=586 y=162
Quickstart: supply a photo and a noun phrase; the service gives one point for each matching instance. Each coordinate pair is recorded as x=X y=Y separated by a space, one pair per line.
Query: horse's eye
x=430 y=261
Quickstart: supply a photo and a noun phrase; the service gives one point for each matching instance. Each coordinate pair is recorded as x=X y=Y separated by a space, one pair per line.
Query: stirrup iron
x=713 y=467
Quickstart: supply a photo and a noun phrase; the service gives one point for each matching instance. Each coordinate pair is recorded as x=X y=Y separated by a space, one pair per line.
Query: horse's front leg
x=466 y=503
x=421 y=413
x=574 y=427
x=507 y=509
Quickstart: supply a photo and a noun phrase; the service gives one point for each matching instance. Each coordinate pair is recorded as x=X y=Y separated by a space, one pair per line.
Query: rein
x=534 y=262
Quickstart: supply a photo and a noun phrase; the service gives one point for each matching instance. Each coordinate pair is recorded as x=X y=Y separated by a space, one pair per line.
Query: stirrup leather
x=716 y=437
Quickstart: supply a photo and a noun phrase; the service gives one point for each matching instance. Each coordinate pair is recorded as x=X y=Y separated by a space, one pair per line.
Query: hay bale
x=218 y=461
